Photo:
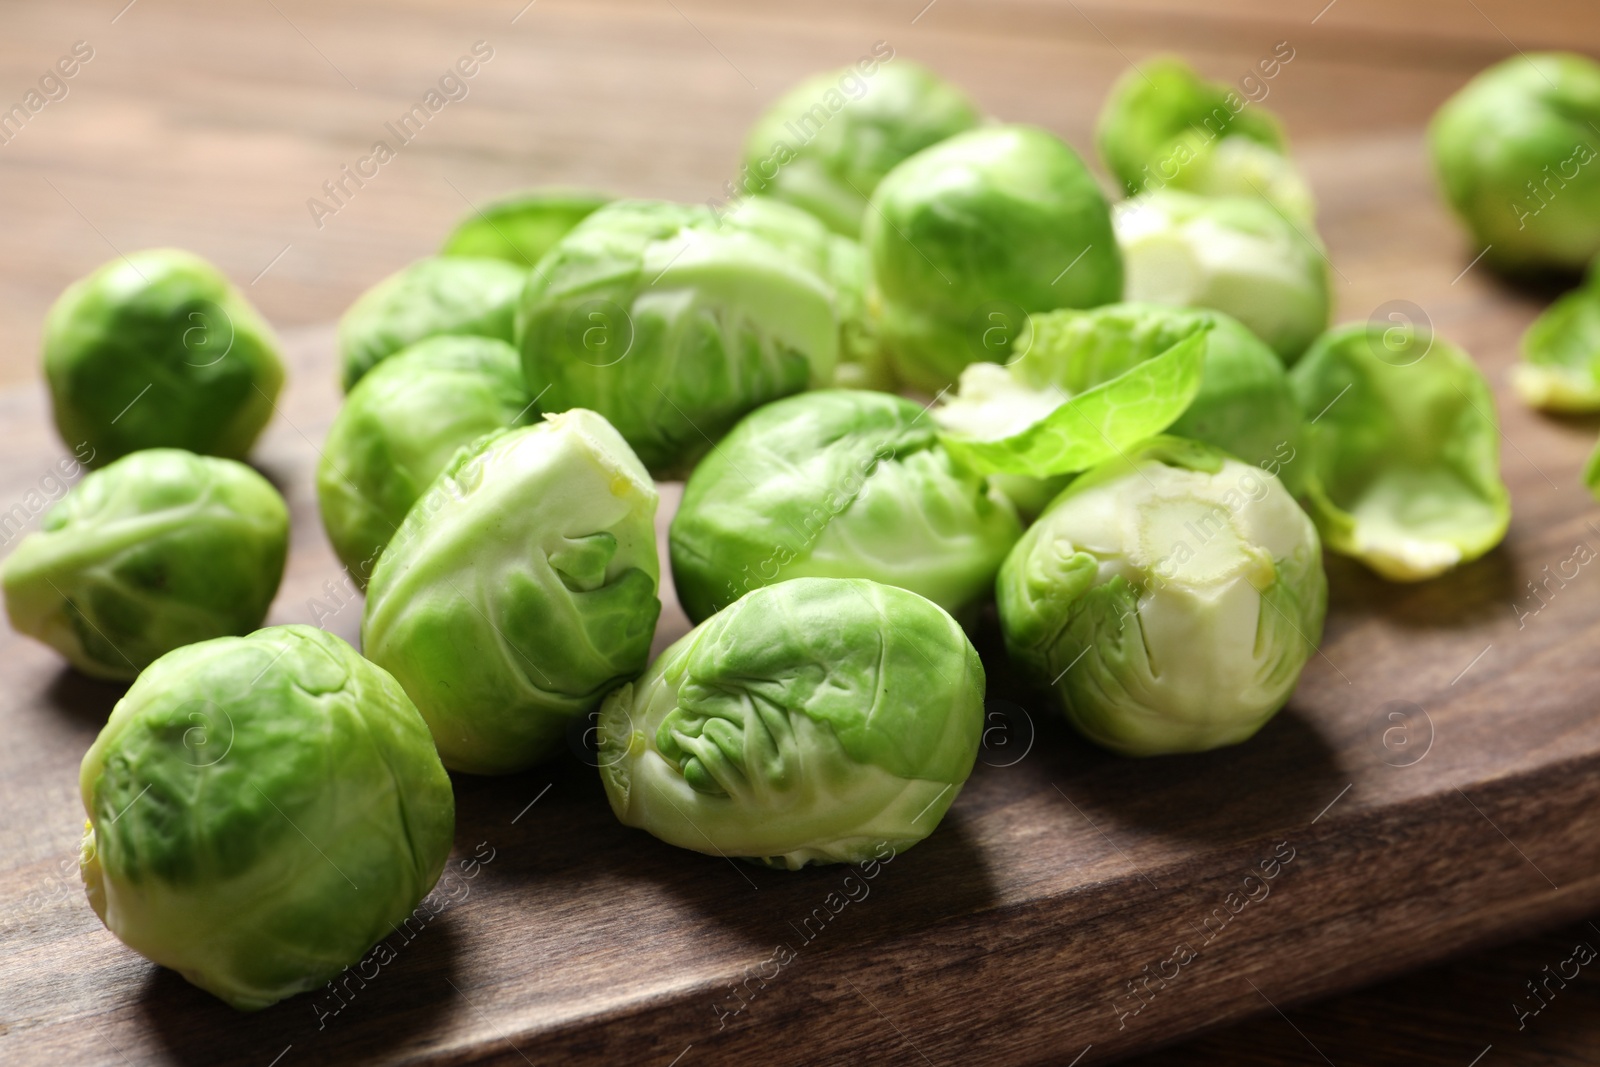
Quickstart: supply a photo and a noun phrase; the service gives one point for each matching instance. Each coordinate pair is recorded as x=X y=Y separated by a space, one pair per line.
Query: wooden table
x=1012 y=934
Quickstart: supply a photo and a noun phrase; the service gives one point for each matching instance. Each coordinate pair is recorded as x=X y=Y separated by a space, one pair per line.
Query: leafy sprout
x=811 y=721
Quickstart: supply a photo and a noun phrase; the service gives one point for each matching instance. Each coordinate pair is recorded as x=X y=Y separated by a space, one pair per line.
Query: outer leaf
x=1560 y=368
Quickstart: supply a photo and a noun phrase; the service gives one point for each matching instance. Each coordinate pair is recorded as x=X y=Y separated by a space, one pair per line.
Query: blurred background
x=214 y=126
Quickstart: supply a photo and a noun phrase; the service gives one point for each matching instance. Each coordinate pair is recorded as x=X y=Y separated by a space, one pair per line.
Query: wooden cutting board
x=1037 y=924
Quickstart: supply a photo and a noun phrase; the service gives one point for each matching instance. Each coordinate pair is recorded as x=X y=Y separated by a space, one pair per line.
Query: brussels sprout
x=1233 y=254
x=838 y=484
x=1163 y=125
x=1405 y=447
x=158 y=349
x=519 y=590
x=453 y=295
x=967 y=236
x=1560 y=367
x=1515 y=154
x=1092 y=383
x=672 y=326
x=813 y=721
x=840 y=262
x=399 y=427
x=160 y=549
x=826 y=152
x=262 y=810
x=522 y=227
x=1168 y=599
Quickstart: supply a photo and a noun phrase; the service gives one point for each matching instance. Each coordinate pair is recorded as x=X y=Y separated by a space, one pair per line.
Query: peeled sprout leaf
x=1560 y=367
x=838 y=483
x=160 y=549
x=812 y=721
x=261 y=810
x=1168 y=598
x=519 y=590
x=1405 y=446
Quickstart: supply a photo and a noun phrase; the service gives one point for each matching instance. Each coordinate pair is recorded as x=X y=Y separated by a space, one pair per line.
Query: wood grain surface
x=1062 y=874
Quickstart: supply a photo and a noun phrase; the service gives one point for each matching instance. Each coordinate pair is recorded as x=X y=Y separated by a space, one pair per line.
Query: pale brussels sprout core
x=261 y=810
x=672 y=325
x=1165 y=126
x=828 y=142
x=522 y=227
x=967 y=237
x=157 y=349
x=519 y=589
x=1168 y=599
x=841 y=263
x=1560 y=365
x=1516 y=154
x=1406 y=450
x=457 y=295
x=810 y=722
x=1092 y=383
x=841 y=484
x=400 y=426
x=1234 y=254
x=160 y=549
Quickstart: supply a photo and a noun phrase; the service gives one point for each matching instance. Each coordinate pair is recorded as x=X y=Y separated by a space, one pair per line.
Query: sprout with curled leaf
x=844 y=484
x=1165 y=126
x=447 y=295
x=159 y=350
x=160 y=549
x=261 y=810
x=521 y=227
x=1169 y=599
x=1090 y=384
x=400 y=426
x=519 y=589
x=672 y=326
x=1406 y=450
x=822 y=151
x=967 y=237
x=810 y=722
x=1233 y=254
x=1516 y=153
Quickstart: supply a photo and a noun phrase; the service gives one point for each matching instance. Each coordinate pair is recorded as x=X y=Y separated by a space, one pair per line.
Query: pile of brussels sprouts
x=920 y=375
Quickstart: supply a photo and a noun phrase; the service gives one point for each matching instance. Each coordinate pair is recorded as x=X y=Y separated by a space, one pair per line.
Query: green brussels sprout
x=1233 y=254
x=1515 y=155
x=672 y=326
x=828 y=142
x=1168 y=599
x=1560 y=366
x=522 y=227
x=160 y=549
x=1092 y=383
x=155 y=350
x=1405 y=447
x=839 y=261
x=966 y=237
x=838 y=484
x=448 y=295
x=519 y=590
x=810 y=722
x=398 y=428
x=261 y=810
x=1163 y=125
